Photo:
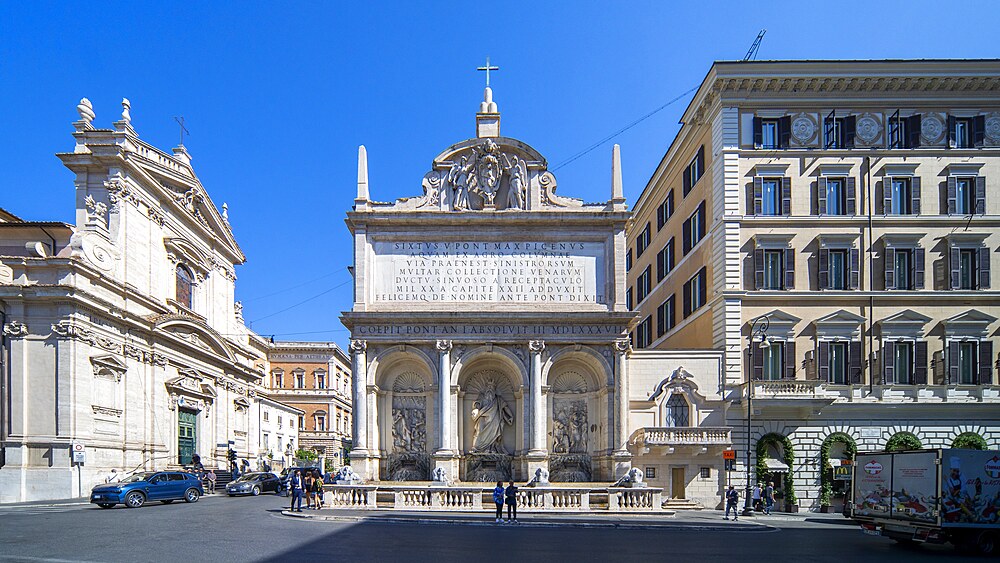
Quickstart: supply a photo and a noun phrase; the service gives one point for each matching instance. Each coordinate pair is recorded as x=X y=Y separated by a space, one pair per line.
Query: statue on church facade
x=490 y=413
x=517 y=184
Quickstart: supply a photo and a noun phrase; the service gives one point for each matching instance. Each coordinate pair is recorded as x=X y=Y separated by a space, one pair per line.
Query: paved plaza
x=254 y=529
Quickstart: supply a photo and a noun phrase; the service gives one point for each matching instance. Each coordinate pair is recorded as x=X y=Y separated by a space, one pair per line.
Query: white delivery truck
x=942 y=495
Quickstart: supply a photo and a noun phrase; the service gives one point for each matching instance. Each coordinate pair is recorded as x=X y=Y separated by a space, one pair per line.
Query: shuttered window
x=902 y=197
x=970 y=362
x=966 y=195
x=904 y=268
x=665 y=210
x=665 y=260
x=665 y=317
x=643 y=285
x=642 y=242
x=694 y=170
x=838 y=132
x=643 y=333
x=903 y=132
x=966 y=132
x=695 y=293
x=694 y=228
x=970 y=268
x=774 y=269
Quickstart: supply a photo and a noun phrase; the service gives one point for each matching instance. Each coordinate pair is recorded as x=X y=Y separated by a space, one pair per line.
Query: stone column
x=622 y=457
x=444 y=398
x=536 y=446
x=360 y=380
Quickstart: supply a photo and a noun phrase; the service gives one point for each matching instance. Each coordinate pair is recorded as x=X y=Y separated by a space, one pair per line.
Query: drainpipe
x=871 y=276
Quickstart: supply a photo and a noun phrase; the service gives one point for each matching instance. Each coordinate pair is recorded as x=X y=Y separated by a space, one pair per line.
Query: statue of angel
x=517 y=171
x=459 y=177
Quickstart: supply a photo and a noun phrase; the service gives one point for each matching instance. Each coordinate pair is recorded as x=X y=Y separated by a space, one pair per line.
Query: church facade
x=484 y=341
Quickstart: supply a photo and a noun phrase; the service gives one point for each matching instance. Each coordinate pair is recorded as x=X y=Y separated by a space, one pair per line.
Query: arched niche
x=491 y=413
x=405 y=433
x=576 y=411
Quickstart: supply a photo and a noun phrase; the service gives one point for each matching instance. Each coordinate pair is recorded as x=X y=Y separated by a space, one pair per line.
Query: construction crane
x=752 y=53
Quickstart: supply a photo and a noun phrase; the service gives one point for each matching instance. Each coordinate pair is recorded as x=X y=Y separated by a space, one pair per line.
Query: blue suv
x=164 y=486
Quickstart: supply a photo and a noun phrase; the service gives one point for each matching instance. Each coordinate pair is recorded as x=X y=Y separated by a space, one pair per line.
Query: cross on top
x=180 y=121
x=488 y=68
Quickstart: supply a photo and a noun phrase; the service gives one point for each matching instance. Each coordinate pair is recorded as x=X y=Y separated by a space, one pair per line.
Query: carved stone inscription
x=498 y=272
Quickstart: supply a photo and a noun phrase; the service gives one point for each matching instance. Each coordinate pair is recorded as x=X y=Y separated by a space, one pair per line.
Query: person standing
x=769 y=498
x=307 y=486
x=498 y=500
x=318 y=490
x=733 y=503
x=756 y=497
x=511 y=500
x=295 y=487
x=210 y=478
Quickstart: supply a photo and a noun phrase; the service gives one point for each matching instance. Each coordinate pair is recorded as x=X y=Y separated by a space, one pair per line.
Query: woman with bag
x=498 y=494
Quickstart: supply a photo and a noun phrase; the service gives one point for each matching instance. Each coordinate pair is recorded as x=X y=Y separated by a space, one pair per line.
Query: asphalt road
x=222 y=529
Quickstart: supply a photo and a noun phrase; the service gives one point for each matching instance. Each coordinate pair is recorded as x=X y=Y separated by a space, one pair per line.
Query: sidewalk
x=688 y=520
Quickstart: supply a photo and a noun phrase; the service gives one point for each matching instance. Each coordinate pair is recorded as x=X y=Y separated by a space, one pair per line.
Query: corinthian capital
x=622 y=345
x=536 y=346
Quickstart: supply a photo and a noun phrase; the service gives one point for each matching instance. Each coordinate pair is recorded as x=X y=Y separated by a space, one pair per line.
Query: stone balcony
x=683 y=436
x=817 y=394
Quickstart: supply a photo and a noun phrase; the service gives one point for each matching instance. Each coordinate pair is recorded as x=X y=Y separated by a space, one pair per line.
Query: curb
x=486 y=522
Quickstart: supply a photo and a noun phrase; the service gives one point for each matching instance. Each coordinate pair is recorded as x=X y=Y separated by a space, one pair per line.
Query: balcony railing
x=815 y=390
x=684 y=436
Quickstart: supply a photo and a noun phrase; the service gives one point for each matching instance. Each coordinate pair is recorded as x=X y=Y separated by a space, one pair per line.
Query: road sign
x=730 y=464
x=729 y=454
x=79 y=457
x=79 y=447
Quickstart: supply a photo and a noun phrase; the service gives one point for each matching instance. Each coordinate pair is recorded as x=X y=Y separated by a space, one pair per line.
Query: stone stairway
x=681 y=504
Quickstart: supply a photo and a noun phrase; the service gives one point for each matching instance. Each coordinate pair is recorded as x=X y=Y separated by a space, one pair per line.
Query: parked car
x=254 y=484
x=164 y=486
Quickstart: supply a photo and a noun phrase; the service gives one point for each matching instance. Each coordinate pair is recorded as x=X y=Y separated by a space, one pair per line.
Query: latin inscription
x=497 y=272
x=490 y=330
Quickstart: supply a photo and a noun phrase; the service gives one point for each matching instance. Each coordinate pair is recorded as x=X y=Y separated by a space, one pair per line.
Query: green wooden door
x=187 y=433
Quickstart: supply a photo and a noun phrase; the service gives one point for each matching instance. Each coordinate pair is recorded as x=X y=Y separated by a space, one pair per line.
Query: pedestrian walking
x=756 y=497
x=769 y=498
x=511 y=499
x=295 y=487
x=498 y=500
x=307 y=485
x=733 y=503
x=318 y=491
x=210 y=478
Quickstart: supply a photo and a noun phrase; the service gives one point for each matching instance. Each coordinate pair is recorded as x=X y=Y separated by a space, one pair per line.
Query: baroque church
x=122 y=342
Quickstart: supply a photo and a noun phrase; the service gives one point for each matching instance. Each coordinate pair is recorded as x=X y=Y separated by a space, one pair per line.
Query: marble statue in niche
x=490 y=413
x=409 y=424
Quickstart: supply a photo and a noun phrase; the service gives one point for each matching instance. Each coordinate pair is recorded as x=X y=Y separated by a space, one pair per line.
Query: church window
x=185 y=286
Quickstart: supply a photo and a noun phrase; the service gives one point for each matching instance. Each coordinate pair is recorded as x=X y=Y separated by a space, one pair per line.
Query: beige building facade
x=851 y=204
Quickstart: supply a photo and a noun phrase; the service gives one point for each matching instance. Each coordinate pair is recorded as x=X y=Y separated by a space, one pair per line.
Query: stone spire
x=488 y=117
x=617 y=191
x=361 y=201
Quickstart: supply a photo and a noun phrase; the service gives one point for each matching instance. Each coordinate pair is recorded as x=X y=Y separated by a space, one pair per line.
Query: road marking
x=46 y=559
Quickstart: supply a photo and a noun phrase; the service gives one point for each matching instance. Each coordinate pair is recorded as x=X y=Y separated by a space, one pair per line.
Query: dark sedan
x=164 y=486
x=254 y=484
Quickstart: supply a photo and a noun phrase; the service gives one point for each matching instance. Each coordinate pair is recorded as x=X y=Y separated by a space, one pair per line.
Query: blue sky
x=277 y=97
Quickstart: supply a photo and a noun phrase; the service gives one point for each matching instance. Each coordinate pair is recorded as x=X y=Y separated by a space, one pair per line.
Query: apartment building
x=853 y=205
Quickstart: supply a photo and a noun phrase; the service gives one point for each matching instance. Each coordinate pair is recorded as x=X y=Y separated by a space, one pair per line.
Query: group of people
x=508 y=496
x=310 y=486
x=763 y=500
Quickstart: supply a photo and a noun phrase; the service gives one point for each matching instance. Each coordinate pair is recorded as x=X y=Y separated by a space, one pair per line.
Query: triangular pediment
x=110 y=362
x=970 y=317
x=778 y=316
x=909 y=316
x=840 y=317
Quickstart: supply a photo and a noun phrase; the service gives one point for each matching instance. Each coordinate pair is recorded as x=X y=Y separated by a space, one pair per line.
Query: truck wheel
x=985 y=543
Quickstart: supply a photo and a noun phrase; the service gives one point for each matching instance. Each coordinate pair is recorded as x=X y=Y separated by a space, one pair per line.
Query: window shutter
x=855 y=281
x=952 y=194
x=701 y=164
x=687 y=180
x=789 y=359
x=854 y=359
x=824 y=361
x=920 y=363
x=670 y=254
x=887 y=196
x=980 y=195
x=789 y=268
x=821 y=195
x=913 y=131
x=785 y=131
x=758 y=137
x=758 y=194
x=786 y=196
x=852 y=196
x=758 y=268
x=953 y=362
x=892 y=140
x=890 y=268
x=702 y=223
x=956 y=267
x=888 y=366
x=828 y=139
x=849 y=129
x=978 y=130
x=687 y=299
x=951 y=131
x=687 y=236
x=702 y=281
x=915 y=195
x=758 y=362
x=918 y=268
x=824 y=268
x=985 y=362
x=984 y=268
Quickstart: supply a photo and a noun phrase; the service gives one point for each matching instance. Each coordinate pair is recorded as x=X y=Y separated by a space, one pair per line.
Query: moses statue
x=490 y=413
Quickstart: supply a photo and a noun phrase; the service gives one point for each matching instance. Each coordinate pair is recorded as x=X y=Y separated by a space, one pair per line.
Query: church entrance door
x=187 y=430
x=676 y=482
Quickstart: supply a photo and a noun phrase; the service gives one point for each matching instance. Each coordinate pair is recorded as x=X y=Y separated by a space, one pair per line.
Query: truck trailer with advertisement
x=941 y=495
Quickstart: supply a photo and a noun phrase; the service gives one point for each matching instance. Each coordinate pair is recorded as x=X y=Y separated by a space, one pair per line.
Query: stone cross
x=488 y=68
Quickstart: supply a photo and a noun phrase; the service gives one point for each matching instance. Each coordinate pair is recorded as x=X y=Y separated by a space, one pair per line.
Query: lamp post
x=758 y=329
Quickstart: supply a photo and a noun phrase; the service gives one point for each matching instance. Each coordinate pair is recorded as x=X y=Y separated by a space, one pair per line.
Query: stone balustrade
x=823 y=391
x=634 y=499
x=681 y=436
x=475 y=499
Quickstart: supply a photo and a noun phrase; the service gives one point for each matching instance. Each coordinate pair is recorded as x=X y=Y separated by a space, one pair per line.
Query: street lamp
x=758 y=329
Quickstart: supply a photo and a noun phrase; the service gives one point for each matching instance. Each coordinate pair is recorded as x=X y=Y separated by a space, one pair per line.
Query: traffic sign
x=79 y=457
x=79 y=447
x=729 y=454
